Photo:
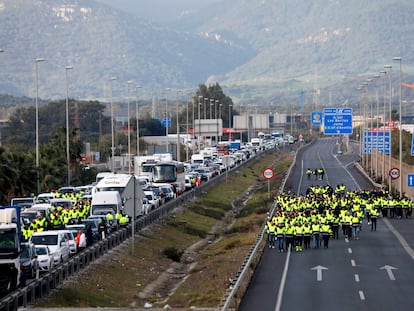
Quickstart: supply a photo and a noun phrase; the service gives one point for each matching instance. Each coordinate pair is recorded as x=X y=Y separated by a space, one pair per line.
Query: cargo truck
x=10 y=248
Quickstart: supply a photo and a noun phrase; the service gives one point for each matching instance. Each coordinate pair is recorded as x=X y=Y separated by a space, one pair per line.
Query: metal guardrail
x=41 y=287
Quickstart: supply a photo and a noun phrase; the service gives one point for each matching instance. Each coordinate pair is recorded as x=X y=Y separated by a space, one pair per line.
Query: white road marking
x=282 y=283
x=350 y=250
x=361 y=295
x=353 y=263
x=356 y=277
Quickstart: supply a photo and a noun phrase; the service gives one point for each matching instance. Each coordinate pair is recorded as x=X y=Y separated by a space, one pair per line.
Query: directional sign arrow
x=319 y=272
x=389 y=271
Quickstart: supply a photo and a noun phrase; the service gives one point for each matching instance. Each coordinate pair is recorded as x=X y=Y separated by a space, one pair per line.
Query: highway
x=373 y=273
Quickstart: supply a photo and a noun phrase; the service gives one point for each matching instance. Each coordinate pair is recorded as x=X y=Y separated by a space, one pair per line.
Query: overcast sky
x=158 y=10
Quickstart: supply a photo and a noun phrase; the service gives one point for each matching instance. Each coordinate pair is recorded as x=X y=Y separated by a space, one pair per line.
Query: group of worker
x=318 y=172
x=61 y=216
x=309 y=221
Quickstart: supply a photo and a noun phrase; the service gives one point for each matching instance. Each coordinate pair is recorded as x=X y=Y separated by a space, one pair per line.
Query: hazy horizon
x=158 y=10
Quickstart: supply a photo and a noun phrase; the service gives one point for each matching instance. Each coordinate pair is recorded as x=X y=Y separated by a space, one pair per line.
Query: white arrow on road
x=389 y=271
x=319 y=272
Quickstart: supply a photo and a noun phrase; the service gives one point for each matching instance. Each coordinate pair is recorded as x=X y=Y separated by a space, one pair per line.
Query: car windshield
x=41 y=251
x=45 y=239
x=25 y=252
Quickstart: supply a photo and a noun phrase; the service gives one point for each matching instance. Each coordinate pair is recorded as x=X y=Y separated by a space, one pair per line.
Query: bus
x=168 y=173
x=223 y=148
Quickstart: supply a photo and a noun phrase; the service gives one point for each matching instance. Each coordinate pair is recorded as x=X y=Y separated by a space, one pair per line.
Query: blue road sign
x=410 y=180
x=412 y=145
x=316 y=118
x=377 y=140
x=337 y=121
x=168 y=122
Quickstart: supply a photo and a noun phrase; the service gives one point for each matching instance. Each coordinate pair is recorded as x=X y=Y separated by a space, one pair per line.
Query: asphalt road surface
x=373 y=273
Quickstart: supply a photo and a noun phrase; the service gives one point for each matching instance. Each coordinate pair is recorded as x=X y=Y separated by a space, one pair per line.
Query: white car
x=152 y=199
x=44 y=258
x=56 y=241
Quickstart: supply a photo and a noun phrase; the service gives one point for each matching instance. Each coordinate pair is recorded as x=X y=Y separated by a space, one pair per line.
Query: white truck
x=129 y=189
x=104 y=202
x=10 y=248
x=197 y=159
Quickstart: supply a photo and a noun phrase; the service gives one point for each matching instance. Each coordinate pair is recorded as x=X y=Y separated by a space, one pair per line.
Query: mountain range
x=259 y=51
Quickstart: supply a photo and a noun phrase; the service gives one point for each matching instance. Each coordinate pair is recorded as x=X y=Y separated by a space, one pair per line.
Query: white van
x=44 y=209
x=55 y=241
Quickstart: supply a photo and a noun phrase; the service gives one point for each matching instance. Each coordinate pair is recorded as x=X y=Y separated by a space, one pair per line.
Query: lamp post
x=230 y=128
x=129 y=129
x=220 y=106
x=37 y=61
x=112 y=126
x=178 y=158
x=400 y=127
x=389 y=125
x=67 y=68
x=215 y=117
x=166 y=119
x=199 y=122
x=137 y=117
x=383 y=131
x=205 y=107
x=187 y=130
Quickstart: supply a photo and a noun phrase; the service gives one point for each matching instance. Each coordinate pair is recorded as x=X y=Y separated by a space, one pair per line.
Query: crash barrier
x=41 y=287
x=239 y=284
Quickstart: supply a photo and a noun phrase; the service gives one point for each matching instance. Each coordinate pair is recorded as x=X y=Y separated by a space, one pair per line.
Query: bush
x=173 y=253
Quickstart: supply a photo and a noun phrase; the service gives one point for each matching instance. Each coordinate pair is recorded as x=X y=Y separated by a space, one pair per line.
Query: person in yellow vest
x=298 y=236
x=374 y=213
x=326 y=232
x=110 y=221
x=356 y=226
x=307 y=234
x=270 y=229
x=316 y=234
x=289 y=236
x=280 y=236
x=124 y=220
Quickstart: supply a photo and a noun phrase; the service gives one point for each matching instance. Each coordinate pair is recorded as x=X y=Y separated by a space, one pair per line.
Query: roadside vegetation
x=190 y=257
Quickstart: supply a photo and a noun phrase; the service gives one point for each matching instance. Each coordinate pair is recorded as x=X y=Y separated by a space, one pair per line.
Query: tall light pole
x=166 y=121
x=230 y=128
x=187 y=130
x=37 y=61
x=400 y=127
x=205 y=107
x=67 y=68
x=129 y=129
x=220 y=106
x=137 y=117
x=199 y=122
x=215 y=117
x=112 y=126
x=178 y=130
x=389 y=67
x=383 y=174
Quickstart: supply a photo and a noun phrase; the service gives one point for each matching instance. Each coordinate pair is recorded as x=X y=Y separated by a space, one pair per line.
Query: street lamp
x=205 y=107
x=383 y=174
x=230 y=128
x=37 y=61
x=215 y=117
x=129 y=130
x=112 y=126
x=137 y=117
x=166 y=120
x=220 y=106
x=389 y=125
x=178 y=158
x=199 y=122
x=400 y=121
x=67 y=68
